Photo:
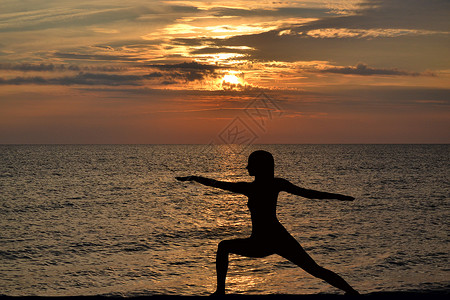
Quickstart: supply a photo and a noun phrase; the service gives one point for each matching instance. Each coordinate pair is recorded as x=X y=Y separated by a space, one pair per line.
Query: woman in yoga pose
x=268 y=235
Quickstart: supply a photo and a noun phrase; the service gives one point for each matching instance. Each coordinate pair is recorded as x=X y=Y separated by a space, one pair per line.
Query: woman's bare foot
x=218 y=293
x=352 y=293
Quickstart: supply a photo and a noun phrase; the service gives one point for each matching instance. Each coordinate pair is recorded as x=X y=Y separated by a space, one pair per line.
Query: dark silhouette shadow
x=268 y=235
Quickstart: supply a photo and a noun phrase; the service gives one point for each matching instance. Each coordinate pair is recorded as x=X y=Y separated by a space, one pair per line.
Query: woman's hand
x=345 y=198
x=185 y=178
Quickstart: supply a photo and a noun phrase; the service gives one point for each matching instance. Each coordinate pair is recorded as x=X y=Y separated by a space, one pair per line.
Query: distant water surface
x=112 y=220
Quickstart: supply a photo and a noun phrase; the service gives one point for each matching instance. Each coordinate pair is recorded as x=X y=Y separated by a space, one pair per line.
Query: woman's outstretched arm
x=235 y=187
x=311 y=194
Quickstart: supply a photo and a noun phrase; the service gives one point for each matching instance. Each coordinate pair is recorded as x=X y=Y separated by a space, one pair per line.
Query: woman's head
x=261 y=163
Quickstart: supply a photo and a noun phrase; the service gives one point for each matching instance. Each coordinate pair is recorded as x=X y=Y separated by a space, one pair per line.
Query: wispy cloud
x=279 y=12
x=47 y=15
x=365 y=70
x=51 y=17
x=365 y=33
x=98 y=57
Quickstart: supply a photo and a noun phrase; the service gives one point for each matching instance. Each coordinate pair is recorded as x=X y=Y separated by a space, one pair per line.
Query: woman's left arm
x=311 y=194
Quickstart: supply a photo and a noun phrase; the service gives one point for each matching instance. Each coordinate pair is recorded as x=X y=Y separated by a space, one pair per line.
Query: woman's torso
x=262 y=203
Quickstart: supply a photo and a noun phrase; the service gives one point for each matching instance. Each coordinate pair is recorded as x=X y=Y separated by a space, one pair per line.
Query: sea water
x=112 y=219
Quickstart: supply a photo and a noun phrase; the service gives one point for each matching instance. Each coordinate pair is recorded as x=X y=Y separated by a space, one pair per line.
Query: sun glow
x=231 y=79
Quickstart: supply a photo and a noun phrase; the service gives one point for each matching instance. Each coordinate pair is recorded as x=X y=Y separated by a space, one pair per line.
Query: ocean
x=112 y=220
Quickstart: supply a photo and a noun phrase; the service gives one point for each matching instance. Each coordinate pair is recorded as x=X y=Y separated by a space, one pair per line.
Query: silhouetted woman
x=268 y=235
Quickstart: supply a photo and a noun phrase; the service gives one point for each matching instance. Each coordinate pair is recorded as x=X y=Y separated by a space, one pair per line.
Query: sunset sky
x=319 y=71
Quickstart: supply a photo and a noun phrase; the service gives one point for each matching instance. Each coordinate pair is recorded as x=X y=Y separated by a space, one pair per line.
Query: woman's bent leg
x=245 y=247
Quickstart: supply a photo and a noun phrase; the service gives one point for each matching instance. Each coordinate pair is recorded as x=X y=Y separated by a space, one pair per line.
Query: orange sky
x=208 y=72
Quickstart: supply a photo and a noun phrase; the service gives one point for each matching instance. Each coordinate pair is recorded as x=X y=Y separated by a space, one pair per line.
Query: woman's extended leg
x=245 y=247
x=292 y=251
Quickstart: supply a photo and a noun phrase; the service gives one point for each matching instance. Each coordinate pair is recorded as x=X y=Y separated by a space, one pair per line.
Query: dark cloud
x=24 y=80
x=188 y=75
x=186 y=72
x=154 y=75
x=182 y=9
x=227 y=86
x=186 y=66
x=200 y=41
x=165 y=74
x=79 y=79
x=28 y=67
x=363 y=69
x=411 y=14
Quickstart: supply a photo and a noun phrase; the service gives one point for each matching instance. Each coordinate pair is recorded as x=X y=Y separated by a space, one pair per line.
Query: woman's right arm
x=235 y=187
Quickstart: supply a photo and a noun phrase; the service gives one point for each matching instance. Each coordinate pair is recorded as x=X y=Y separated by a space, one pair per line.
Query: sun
x=231 y=79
